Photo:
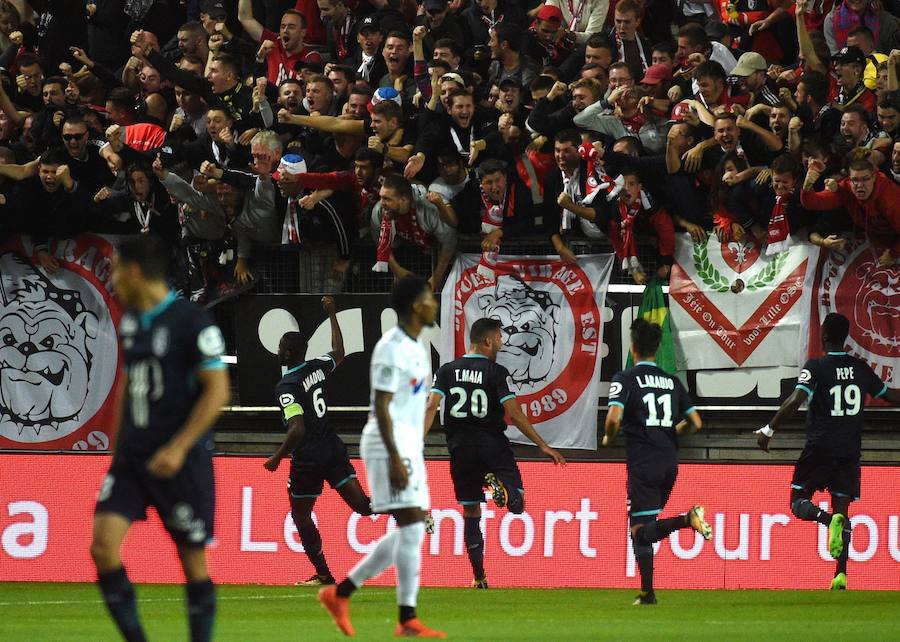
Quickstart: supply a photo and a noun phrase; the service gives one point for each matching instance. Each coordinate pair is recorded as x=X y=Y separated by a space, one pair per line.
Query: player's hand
x=607 y=441
x=555 y=455
x=762 y=440
x=167 y=461
x=397 y=473
x=271 y=464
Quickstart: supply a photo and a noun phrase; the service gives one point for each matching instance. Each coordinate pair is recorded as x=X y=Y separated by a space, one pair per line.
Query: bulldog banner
x=733 y=306
x=552 y=334
x=855 y=285
x=59 y=357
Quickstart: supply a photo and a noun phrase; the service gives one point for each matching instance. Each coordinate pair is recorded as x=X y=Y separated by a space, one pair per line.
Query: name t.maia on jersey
x=301 y=391
x=163 y=349
x=474 y=389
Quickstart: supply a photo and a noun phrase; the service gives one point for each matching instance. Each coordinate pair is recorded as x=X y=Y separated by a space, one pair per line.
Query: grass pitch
x=33 y=611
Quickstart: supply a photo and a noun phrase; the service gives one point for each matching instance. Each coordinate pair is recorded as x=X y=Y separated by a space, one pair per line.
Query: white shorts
x=386 y=499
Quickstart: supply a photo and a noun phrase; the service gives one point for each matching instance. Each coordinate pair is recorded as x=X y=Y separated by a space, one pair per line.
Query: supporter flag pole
x=654 y=308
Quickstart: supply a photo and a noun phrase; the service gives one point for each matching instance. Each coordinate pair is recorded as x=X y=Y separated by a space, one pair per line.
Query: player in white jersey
x=391 y=447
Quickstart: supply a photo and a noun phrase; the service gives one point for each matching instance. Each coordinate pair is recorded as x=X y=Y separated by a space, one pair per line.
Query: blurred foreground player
x=476 y=392
x=836 y=386
x=317 y=453
x=392 y=446
x=646 y=401
x=175 y=385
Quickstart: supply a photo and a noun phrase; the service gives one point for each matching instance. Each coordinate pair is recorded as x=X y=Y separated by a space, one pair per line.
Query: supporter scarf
x=340 y=36
x=491 y=220
x=290 y=229
x=620 y=47
x=621 y=233
x=365 y=69
x=844 y=19
x=406 y=227
x=575 y=13
x=573 y=189
x=143 y=212
x=633 y=123
x=845 y=97
x=491 y=22
x=368 y=196
x=456 y=141
x=778 y=237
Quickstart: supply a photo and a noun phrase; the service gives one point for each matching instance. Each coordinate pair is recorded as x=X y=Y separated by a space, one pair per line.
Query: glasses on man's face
x=72 y=137
x=861 y=180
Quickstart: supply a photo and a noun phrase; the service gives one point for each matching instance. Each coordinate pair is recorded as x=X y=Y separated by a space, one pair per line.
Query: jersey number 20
x=479 y=405
x=653 y=418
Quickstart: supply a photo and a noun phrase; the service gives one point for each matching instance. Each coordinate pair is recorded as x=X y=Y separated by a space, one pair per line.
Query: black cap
x=510 y=81
x=369 y=23
x=716 y=30
x=214 y=9
x=850 y=54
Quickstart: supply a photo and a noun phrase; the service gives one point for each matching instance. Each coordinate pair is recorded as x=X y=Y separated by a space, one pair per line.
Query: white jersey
x=401 y=366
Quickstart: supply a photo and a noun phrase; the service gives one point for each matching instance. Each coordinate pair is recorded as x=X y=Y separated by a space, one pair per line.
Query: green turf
x=37 y=612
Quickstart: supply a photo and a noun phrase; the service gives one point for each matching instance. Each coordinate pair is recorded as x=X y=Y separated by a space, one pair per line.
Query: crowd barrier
x=572 y=534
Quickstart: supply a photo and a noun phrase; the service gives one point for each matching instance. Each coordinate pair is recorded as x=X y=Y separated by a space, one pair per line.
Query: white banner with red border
x=552 y=316
x=868 y=294
x=733 y=306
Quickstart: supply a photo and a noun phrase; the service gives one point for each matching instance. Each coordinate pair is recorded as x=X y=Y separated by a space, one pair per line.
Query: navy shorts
x=469 y=463
x=649 y=487
x=185 y=503
x=325 y=460
x=822 y=470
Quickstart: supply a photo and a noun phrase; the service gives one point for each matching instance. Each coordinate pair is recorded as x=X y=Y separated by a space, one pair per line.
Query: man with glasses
x=85 y=163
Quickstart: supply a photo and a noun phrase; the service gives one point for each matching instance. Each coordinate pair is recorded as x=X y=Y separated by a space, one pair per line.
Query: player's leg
x=657 y=529
x=811 y=473
x=200 y=591
x=121 y=501
x=644 y=504
x=844 y=486
x=803 y=508
x=408 y=560
x=467 y=473
x=118 y=592
x=301 y=512
x=354 y=496
x=474 y=539
x=502 y=463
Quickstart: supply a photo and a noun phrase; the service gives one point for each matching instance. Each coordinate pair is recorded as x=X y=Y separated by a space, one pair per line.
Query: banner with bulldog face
x=552 y=315
x=868 y=294
x=733 y=306
x=59 y=356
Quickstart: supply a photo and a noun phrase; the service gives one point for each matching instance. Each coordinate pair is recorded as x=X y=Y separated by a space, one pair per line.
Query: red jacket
x=879 y=215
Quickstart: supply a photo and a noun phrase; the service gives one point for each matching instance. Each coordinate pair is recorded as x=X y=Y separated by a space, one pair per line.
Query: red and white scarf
x=575 y=13
x=491 y=220
x=290 y=229
x=778 y=237
x=406 y=227
x=621 y=233
x=620 y=47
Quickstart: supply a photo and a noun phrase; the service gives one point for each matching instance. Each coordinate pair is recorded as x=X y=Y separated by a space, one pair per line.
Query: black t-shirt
x=837 y=385
x=652 y=401
x=164 y=348
x=474 y=389
x=301 y=391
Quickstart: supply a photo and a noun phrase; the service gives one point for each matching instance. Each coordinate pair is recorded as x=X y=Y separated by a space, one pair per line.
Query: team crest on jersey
x=286 y=400
x=855 y=285
x=160 y=342
x=416 y=384
x=58 y=349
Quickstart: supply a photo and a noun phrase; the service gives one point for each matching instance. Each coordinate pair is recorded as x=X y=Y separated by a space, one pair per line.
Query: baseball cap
x=749 y=63
x=716 y=30
x=678 y=112
x=370 y=23
x=431 y=5
x=656 y=74
x=510 y=81
x=550 y=12
x=214 y=9
x=850 y=54
x=455 y=77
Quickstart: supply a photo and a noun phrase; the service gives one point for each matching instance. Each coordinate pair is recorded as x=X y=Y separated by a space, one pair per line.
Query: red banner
x=59 y=356
x=574 y=532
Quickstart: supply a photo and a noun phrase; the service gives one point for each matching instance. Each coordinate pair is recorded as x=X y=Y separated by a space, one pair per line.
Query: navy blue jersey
x=164 y=348
x=837 y=385
x=653 y=402
x=474 y=389
x=301 y=391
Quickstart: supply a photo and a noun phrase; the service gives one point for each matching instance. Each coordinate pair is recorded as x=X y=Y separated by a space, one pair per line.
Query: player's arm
x=296 y=430
x=434 y=404
x=214 y=393
x=690 y=424
x=337 y=338
x=612 y=424
x=520 y=421
x=892 y=397
x=788 y=408
x=397 y=473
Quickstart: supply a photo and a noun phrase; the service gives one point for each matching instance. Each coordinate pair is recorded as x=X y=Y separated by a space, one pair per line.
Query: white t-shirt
x=402 y=366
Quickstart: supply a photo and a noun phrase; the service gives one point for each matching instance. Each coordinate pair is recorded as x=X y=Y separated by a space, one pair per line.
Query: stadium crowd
x=367 y=132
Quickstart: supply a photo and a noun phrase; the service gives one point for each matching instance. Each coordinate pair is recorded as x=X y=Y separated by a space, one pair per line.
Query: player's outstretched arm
x=690 y=424
x=434 y=403
x=892 y=397
x=337 y=338
x=520 y=421
x=788 y=408
x=214 y=393
x=611 y=425
x=296 y=430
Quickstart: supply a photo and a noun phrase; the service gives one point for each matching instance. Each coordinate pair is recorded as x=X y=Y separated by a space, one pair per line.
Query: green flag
x=653 y=308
